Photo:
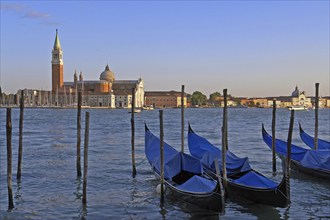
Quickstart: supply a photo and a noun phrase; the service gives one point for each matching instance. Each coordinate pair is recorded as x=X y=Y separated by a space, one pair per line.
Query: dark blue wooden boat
x=243 y=182
x=309 y=140
x=184 y=175
x=313 y=162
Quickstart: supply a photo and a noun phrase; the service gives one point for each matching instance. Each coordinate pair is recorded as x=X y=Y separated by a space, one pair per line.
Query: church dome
x=295 y=93
x=107 y=75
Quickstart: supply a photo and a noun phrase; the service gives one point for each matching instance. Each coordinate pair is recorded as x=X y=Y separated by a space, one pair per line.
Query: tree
x=198 y=98
x=215 y=96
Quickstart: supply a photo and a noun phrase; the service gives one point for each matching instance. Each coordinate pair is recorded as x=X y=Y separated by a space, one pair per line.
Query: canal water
x=49 y=188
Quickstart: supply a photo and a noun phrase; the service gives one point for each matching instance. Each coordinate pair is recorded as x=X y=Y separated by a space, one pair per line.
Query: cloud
x=12 y=7
x=36 y=15
x=27 y=13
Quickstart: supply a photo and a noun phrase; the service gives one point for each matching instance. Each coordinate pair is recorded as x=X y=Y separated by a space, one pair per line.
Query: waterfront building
x=230 y=102
x=270 y=103
x=300 y=99
x=164 y=99
x=104 y=92
x=260 y=102
x=327 y=102
x=297 y=98
x=123 y=93
x=95 y=93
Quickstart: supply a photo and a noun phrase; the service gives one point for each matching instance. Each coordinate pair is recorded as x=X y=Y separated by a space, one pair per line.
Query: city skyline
x=254 y=49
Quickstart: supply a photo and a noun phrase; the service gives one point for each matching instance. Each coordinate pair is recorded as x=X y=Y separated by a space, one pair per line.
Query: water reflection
x=162 y=210
x=83 y=212
x=286 y=214
x=78 y=192
x=258 y=210
x=18 y=194
x=193 y=211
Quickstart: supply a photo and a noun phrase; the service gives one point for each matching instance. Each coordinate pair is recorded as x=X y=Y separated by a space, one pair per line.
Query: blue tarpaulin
x=309 y=140
x=319 y=159
x=198 y=184
x=201 y=148
x=256 y=180
x=316 y=159
x=174 y=161
x=297 y=153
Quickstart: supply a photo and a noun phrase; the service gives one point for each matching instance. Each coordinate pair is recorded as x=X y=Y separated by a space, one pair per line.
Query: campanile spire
x=57 y=44
x=57 y=64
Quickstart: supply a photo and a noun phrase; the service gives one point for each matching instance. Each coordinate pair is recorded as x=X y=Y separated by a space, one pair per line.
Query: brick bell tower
x=57 y=65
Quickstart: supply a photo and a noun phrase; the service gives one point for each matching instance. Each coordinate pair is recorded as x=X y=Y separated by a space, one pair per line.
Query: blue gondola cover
x=309 y=140
x=316 y=159
x=297 y=153
x=198 y=184
x=235 y=165
x=319 y=159
x=201 y=148
x=174 y=161
x=256 y=180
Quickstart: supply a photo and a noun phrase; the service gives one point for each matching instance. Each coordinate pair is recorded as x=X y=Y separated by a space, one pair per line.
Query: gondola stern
x=146 y=127
x=284 y=190
x=263 y=128
x=223 y=197
x=300 y=128
x=190 y=130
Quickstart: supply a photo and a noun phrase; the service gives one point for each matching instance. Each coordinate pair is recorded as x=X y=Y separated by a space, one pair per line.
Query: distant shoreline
x=89 y=107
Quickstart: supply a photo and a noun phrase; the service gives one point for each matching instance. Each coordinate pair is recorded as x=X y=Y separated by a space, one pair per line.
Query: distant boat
x=297 y=107
x=309 y=140
x=136 y=110
x=150 y=107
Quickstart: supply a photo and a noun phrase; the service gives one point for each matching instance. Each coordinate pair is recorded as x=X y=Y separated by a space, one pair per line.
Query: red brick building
x=164 y=99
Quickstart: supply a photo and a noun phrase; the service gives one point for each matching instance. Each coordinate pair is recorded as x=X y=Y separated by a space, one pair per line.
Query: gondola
x=243 y=181
x=309 y=140
x=184 y=175
x=309 y=161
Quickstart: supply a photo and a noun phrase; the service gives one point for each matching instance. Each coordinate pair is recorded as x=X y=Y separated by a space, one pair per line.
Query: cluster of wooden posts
x=78 y=162
x=20 y=150
x=224 y=130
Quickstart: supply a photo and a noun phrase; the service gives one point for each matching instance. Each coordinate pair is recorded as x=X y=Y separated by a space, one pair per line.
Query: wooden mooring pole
x=20 y=141
x=161 y=128
x=182 y=118
x=78 y=162
x=273 y=135
x=316 y=115
x=217 y=170
x=84 y=199
x=133 y=132
x=224 y=141
x=225 y=121
x=9 y=160
x=288 y=157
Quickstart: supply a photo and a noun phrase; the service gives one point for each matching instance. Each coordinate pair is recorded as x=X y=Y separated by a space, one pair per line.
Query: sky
x=252 y=48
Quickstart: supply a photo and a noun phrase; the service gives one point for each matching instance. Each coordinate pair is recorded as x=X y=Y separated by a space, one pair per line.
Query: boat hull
x=324 y=174
x=211 y=201
x=278 y=197
x=297 y=108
